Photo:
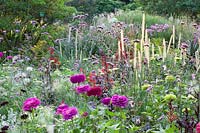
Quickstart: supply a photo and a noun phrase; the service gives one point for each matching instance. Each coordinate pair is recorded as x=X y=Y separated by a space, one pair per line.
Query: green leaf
x=110 y=113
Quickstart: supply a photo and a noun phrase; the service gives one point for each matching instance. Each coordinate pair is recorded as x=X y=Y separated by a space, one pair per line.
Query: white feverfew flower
x=27 y=81
x=29 y=69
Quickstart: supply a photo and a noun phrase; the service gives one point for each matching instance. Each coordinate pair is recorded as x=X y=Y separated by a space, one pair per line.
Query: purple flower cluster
x=157 y=28
x=66 y=111
x=116 y=100
x=31 y=103
x=197 y=34
x=82 y=89
x=77 y=78
x=184 y=45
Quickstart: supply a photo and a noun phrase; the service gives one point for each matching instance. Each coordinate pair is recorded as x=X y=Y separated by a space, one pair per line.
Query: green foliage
x=52 y=9
x=177 y=8
x=108 y=5
x=94 y=7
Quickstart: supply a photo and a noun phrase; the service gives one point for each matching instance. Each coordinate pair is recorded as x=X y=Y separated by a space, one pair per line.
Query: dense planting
x=122 y=73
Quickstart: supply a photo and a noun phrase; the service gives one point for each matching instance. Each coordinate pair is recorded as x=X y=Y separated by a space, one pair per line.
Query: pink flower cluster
x=85 y=89
x=66 y=111
x=8 y=57
x=116 y=100
x=30 y=104
x=90 y=91
x=157 y=28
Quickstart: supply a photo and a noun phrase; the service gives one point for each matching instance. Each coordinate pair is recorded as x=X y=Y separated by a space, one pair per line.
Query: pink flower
x=77 y=78
x=61 y=107
x=119 y=101
x=82 y=89
x=31 y=103
x=85 y=114
x=1 y=54
x=106 y=100
x=9 y=57
x=184 y=45
x=94 y=91
x=198 y=128
x=69 y=113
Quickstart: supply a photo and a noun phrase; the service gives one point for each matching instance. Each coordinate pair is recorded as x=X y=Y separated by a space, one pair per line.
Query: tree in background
x=94 y=7
x=21 y=22
x=172 y=7
x=35 y=9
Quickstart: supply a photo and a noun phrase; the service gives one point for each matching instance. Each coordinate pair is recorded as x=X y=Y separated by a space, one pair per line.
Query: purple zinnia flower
x=82 y=89
x=30 y=103
x=119 y=101
x=77 y=78
x=61 y=107
x=1 y=54
x=106 y=100
x=69 y=113
x=9 y=57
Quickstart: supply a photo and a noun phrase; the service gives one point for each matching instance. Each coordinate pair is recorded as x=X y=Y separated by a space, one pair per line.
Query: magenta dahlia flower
x=119 y=101
x=31 y=103
x=61 y=107
x=94 y=91
x=198 y=128
x=69 y=113
x=1 y=54
x=82 y=89
x=77 y=78
x=106 y=100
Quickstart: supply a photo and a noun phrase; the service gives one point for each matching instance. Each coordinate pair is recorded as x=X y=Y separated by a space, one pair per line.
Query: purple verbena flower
x=184 y=45
x=17 y=31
